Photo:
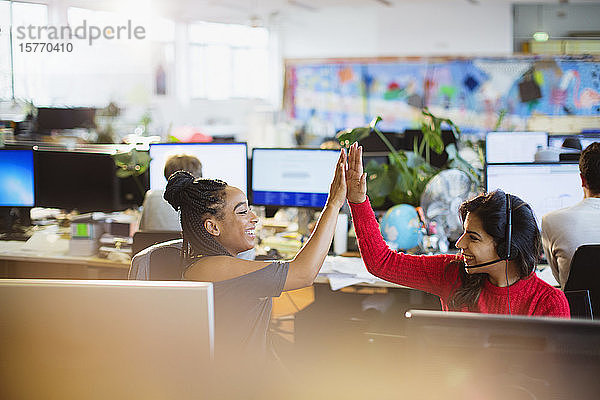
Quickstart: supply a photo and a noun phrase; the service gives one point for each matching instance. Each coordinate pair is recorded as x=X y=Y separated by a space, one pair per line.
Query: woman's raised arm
x=307 y=263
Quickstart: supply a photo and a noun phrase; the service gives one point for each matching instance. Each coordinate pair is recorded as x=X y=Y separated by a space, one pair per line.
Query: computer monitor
x=517 y=356
x=513 y=147
x=545 y=187
x=501 y=356
x=16 y=178
x=64 y=118
x=101 y=339
x=76 y=180
x=292 y=177
x=225 y=161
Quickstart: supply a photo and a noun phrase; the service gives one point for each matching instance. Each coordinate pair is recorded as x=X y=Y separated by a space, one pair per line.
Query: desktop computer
x=545 y=187
x=225 y=161
x=16 y=178
x=17 y=194
x=292 y=177
x=51 y=118
x=76 y=180
x=513 y=147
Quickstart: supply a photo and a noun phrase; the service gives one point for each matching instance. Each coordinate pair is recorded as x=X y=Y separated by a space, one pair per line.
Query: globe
x=401 y=227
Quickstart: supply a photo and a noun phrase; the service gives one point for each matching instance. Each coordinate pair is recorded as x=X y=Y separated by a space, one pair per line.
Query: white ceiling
x=242 y=11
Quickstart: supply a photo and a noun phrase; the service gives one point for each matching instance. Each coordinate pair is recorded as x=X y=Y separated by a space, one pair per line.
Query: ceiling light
x=540 y=36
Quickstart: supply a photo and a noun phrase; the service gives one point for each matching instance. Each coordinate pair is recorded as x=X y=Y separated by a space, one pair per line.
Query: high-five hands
x=337 y=189
x=356 y=179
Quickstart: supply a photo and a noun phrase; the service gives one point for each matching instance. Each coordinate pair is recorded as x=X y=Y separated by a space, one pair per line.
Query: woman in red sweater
x=499 y=286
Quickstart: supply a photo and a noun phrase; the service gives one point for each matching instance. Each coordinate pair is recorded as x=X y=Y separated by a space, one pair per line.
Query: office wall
x=417 y=28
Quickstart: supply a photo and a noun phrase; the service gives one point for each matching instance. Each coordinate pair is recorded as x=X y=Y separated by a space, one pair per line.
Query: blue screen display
x=16 y=178
x=292 y=177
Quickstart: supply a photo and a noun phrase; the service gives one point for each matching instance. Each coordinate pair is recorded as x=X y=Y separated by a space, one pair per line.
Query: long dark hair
x=197 y=200
x=525 y=247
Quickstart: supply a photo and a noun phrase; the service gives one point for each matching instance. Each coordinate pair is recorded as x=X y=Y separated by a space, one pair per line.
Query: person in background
x=217 y=224
x=564 y=230
x=157 y=214
x=485 y=277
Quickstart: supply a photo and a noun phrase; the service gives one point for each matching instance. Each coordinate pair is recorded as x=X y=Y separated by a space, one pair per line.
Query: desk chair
x=144 y=239
x=159 y=262
x=580 y=304
x=585 y=273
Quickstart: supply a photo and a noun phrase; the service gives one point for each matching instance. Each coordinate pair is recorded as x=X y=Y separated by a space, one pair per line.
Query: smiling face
x=475 y=244
x=235 y=231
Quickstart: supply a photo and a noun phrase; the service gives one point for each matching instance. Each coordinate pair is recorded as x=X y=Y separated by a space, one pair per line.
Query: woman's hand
x=356 y=180
x=337 y=189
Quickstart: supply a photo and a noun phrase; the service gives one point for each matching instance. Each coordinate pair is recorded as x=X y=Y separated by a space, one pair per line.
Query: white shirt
x=157 y=214
x=564 y=230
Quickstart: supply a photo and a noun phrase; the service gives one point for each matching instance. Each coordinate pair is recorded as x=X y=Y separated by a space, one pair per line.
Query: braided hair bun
x=177 y=184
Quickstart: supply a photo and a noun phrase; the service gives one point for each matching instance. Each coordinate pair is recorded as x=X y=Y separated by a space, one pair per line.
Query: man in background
x=157 y=214
x=564 y=230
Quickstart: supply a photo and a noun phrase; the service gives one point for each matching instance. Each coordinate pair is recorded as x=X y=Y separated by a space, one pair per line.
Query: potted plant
x=132 y=164
x=404 y=177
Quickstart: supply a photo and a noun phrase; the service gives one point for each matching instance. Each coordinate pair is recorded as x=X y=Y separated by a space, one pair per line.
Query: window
x=228 y=61
x=29 y=73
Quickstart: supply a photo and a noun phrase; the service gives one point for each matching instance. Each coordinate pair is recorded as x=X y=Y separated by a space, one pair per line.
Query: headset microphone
x=484 y=264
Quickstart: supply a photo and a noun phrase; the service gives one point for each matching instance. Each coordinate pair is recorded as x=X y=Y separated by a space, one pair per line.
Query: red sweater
x=439 y=275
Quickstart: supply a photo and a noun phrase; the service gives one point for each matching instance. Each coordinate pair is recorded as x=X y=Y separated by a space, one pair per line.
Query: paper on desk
x=339 y=281
x=347 y=265
x=47 y=241
x=346 y=271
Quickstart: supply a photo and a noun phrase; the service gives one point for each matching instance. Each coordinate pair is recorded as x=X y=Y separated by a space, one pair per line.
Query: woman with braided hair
x=217 y=224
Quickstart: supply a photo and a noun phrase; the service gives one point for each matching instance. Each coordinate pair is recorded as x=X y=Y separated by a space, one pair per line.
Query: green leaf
x=123 y=173
x=134 y=163
x=349 y=136
x=374 y=122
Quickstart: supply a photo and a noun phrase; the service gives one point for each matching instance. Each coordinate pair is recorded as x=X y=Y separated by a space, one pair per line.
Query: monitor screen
x=225 y=161
x=102 y=339
x=65 y=118
x=546 y=187
x=292 y=177
x=76 y=180
x=513 y=147
x=16 y=178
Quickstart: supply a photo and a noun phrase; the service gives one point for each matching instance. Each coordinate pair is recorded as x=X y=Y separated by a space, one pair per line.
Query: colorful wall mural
x=472 y=92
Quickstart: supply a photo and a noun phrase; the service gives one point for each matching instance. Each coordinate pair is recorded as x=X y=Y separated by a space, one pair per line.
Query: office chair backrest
x=585 y=273
x=580 y=304
x=159 y=262
x=144 y=239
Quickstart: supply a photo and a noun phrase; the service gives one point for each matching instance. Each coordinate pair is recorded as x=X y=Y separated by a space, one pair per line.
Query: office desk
x=15 y=262
x=18 y=263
